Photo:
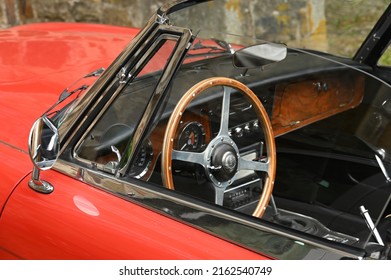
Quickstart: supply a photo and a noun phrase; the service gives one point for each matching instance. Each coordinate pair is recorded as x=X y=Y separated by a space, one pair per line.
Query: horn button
x=224 y=159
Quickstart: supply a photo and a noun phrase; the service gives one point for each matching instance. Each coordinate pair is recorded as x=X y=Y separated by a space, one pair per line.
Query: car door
x=78 y=221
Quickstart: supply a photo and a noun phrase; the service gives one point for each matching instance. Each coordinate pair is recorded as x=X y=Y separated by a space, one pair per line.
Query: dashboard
x=290 y=105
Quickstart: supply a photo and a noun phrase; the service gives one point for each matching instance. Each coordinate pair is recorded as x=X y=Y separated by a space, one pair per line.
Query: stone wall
x=299 y=22
x=116 y=12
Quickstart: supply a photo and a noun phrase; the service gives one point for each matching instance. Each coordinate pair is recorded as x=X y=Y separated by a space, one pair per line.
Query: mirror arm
x=38 y=185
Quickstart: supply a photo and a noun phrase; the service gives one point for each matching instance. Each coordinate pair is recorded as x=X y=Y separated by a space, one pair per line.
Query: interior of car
x=328 y=145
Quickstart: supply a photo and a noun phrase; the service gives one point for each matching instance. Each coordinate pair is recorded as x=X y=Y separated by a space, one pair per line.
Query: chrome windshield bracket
x=383 y=168
x=371 y=225
x=161 y=19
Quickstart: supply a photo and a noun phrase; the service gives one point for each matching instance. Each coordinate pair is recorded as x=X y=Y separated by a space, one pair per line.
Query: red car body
x=36 y=62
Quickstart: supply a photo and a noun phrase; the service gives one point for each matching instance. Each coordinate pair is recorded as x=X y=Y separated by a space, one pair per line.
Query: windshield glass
x=330 y=118
x=337 y=27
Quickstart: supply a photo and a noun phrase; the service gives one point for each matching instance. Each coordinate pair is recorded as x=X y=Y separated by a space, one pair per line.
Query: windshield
x=329 y=116
x=337 y=27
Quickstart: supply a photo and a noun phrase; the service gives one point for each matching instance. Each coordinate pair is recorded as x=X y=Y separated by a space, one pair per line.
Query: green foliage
x=385 y=60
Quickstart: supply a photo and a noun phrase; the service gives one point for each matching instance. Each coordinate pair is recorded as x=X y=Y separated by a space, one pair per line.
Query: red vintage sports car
x=193 y=142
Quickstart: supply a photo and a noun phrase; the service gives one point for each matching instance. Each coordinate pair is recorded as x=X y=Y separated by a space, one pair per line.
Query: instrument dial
x=192 y=138
x=142 y=161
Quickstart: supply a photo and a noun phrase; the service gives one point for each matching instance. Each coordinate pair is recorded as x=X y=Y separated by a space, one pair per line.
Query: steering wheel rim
x=223 y=138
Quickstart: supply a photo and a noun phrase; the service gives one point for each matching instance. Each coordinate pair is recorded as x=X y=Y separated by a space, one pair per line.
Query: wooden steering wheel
x=221 y=159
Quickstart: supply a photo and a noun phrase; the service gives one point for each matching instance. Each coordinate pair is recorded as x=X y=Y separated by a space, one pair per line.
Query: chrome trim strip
x=258 y=235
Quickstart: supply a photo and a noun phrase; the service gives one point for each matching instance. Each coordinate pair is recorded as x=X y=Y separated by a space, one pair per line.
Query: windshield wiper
x=220 y=47
x=364 y=212
x=66 y=93
x=383 y=168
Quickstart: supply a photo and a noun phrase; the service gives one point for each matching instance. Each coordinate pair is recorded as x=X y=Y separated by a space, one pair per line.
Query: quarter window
x=105 y=143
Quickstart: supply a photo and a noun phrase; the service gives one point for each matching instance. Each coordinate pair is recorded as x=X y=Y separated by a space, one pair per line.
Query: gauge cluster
x=192 y=138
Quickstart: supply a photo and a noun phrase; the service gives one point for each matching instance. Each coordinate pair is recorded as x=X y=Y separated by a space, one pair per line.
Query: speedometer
x=192 y=138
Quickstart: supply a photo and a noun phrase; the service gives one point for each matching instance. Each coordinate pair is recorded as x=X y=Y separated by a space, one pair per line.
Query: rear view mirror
x=259 y=55
x=44 y=145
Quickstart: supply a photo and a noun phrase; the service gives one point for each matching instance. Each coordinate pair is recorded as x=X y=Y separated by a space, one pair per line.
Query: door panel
x=78 y=221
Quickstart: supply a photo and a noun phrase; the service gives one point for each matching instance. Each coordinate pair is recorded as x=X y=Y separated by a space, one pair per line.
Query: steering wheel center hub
x=224 y=160
x=229 y=161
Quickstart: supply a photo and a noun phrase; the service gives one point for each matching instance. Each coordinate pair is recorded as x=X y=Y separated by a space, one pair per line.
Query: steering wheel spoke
x=224 y=124
x=188 y=156
x=219 y=196
x=245 y=164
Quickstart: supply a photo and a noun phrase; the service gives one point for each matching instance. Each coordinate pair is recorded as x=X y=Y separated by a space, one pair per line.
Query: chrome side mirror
x=259 y=55
x=44 y=148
